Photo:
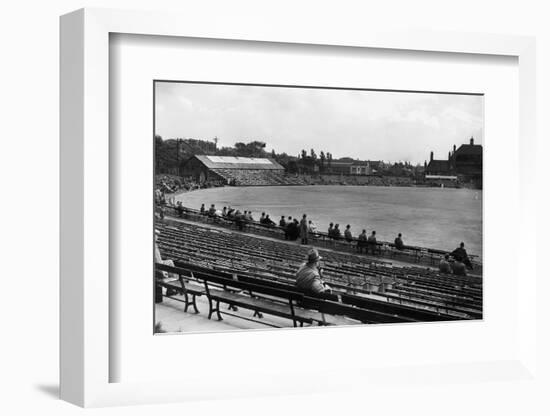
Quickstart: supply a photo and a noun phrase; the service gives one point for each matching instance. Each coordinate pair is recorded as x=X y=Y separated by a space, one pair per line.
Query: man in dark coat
x=362 y=241
x=399 y=242
x=460 y=255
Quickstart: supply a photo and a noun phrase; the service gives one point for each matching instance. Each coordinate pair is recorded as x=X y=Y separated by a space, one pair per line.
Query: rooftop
x=237 y=162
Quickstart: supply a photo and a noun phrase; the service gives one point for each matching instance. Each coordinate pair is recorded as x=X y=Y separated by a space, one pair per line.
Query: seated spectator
x=288 y=230
x=399 y=242
x=347 y=234
x=444 y=265
x=239 y=220
x=460 y=255
x=362 y=241
x=203 y=209
x=262 y=218
x=268 y=221
x=282 y=222
x=330 y=231
x=179 y=209
x=308 y=277
x=294 y=230
x=458 y=268
x=212 y=210
x=336 y=234
x=161 y=211
x=312 y=229
x=224 y=212
x=371 y=243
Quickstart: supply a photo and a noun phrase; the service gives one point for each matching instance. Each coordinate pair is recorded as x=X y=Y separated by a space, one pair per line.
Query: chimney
x=472 y=141
x=431 y=156
x=454 y=148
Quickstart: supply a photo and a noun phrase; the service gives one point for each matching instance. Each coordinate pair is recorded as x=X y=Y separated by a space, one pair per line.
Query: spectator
x=289 y=230
x=362 y=241
x=303 y=229
x=295 y=229
x=330 y=231
x=371 y=243
x=459 y=268
x=444 y=265
x=312 y=229
x=262 y=218
x=162 y=211
x=308 y=277
x=157 y=196
x=460 y=255
x=282 y=222
x=179 y=209
x=336 y=234
x=203 y=209
x=212 y=210
x=239 y=220
x=399 y=242
x=347 y=234
x=268 y=221
x=224 y=212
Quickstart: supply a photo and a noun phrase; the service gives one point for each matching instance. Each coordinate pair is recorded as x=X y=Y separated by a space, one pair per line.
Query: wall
x=29 y=212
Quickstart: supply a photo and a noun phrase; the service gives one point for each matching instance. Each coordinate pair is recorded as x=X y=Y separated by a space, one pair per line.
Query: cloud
x=360 y=124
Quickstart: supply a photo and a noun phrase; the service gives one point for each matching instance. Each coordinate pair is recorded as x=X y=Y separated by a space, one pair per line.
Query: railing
x=385 y=249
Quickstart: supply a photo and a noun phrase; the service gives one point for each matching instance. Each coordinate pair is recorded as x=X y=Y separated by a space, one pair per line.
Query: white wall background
x=29 y=207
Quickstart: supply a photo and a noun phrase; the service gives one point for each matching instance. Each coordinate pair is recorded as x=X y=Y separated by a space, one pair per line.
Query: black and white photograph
x=283 y=206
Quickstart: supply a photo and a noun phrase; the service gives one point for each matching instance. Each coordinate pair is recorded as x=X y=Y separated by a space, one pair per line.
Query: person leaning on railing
x=399 y=242
x=362 y=241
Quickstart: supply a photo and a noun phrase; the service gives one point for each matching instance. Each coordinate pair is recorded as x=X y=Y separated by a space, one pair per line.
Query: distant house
x=360 y=168
x=465 y=163
x=338 y=167
x=468 y=160
x=438 y=167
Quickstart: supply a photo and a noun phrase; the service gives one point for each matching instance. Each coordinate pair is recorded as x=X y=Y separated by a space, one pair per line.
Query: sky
x=366 y=125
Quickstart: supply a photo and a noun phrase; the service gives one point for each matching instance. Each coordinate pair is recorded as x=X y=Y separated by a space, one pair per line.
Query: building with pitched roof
x=233 y=170
x=464 y=163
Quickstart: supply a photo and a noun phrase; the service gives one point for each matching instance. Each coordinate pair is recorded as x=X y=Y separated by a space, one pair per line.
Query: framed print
x=201 y=170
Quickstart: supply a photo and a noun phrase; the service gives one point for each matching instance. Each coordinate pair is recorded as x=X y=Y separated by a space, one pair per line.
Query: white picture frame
x=85 y=355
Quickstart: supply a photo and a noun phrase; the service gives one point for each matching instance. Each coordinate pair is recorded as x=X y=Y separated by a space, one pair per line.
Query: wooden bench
x=330 y=305
x=180 y=286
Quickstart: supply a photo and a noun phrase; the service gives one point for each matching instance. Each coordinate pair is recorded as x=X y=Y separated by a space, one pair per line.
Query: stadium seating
x=412 y=286
x=258 y=177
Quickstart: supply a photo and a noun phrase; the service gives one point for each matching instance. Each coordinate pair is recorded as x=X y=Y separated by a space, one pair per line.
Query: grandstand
x=240 y=171
x=238 y=264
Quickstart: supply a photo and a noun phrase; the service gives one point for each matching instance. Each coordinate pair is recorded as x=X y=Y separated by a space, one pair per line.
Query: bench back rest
x=228 y=282
x=404 y=312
